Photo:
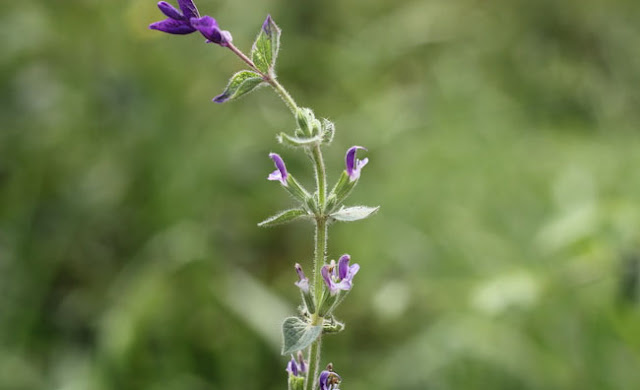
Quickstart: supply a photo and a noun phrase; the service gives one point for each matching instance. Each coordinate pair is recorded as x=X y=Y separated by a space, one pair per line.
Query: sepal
x=308 y=301
x=328 y=131
x=266 y=46
x=331 y=325
x=298 y=334
x=283 y=217
x=239 y=85
x=296 y=382
x=328 y=302
x=296 y=190
x=355 y=213
x=340 y=191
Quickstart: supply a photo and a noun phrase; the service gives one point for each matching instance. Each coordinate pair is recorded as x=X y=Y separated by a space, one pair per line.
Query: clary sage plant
x=302 y=334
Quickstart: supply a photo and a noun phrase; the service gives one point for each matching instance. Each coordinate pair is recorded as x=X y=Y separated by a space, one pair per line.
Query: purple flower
x=329 y=380
x=297 y=368
x=177 y=22
x=208 y=27
x=353 y=164
x=281 y=172
x=303 y=283
x=339 y=277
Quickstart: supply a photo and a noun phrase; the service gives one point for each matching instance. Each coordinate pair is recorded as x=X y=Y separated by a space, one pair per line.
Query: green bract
x=265 y=48
x=239 y=85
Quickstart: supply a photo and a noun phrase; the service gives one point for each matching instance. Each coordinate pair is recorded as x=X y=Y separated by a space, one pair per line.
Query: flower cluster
x=297 y=367
x=188 y=20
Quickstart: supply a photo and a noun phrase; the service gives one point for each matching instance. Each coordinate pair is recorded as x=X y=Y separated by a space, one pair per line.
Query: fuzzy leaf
x=240 y=84
x=355 y=213
x=298 y=334
x=286 y=139
x=265 y=48
x=283 y=217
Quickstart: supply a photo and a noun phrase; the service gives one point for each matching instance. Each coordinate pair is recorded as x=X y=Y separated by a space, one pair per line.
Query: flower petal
x=292 y=367
x=281 y=172
x=354 y=165
x=170 y=11
x=172 y=26
x=208 y=27
x=189 y=9
x=343 y=266
x=326 y=275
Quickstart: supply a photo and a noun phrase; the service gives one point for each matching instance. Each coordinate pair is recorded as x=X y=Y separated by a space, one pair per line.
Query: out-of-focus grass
x=503 y=150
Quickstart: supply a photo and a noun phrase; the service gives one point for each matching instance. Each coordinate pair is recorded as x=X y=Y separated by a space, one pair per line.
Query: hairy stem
x=314 y=364
x=269 y=78
x=284 y=95
x=244 y=58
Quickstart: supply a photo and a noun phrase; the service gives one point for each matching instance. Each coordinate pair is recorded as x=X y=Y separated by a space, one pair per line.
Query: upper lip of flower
x=281 y=170
x=178 y=22
x=353 y=164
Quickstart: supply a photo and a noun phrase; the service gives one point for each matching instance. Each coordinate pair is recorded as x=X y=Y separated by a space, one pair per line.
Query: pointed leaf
x=283 y=217
x=355 y=213
x=298 y=334
x=240 y=84
x=265 y=48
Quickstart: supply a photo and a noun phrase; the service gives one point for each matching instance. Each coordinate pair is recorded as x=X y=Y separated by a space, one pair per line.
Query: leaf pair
x=263 y=55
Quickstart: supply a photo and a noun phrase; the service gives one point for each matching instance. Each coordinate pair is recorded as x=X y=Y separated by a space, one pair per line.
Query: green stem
x=318 y=262
x=269 y=78
x=314 y=364
x=321 y=177
x=284 y=95
x=244 y=58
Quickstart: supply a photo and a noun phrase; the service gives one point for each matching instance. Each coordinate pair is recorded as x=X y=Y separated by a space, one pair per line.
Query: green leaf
x=283 y=217
x=265 y=48
x=355 y=213
x=287 y=139
x=298 y=334
x=240 y=84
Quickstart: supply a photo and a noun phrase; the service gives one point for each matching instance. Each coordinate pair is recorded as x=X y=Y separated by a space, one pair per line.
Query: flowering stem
x=321 y=220
x=319 y=259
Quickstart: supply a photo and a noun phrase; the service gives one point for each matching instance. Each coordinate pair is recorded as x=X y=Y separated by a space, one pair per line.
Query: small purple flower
x=329 y=380
x=297 y=367
x=339 y=277
x=208 y=27
x=177 y=22
x=303 y=283
x=281 y=172
x=353 y=164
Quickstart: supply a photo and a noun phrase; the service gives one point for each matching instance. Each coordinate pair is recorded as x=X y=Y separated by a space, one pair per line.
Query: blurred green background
x=503 y=147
